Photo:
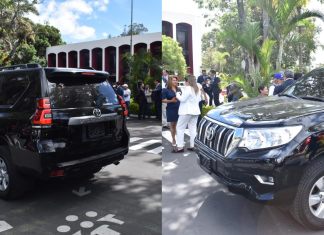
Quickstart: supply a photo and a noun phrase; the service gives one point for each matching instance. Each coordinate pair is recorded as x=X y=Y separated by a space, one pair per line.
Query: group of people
x=182 y=109
x=211 y=86
x=146 y=97
x=279 y=83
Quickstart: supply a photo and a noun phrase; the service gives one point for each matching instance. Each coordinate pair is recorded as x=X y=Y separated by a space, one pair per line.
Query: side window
x=12 y=86
x=311 y=85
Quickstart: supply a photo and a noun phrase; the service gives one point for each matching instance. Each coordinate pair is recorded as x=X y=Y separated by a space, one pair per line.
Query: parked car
x=57 y=122
x=271 y=148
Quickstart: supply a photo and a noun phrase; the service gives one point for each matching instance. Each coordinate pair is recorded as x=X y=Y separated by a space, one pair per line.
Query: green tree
x=172 y=57
x=285 y=17
x=15 y=28
x=137 y=29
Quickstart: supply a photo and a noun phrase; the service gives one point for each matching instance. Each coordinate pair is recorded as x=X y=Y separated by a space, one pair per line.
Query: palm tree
x=284 y=19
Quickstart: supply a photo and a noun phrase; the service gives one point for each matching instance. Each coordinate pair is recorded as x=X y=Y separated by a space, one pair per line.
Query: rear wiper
x=289 y=95
x=312 y=98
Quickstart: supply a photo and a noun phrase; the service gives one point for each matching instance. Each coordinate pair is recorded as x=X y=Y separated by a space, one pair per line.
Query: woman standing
x=148 y=94
x=169 y=97
x=142 y=102
x=188 y=113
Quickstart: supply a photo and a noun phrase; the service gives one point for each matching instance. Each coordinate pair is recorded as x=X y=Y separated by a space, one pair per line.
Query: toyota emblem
x=97 y=112
x=210 y=133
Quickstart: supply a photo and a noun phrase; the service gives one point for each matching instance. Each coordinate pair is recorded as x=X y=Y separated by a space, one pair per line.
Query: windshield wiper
x=289 y=95
x=312 y=98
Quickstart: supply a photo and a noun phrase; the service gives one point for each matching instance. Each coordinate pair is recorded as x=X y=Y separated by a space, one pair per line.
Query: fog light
x=265 y=179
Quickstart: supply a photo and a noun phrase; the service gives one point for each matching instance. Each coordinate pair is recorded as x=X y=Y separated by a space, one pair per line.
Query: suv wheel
x=308 y=205
x=12 y=184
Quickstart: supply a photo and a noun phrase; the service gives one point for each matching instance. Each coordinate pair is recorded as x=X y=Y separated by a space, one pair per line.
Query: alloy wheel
x=4 y=176
x=316 y=198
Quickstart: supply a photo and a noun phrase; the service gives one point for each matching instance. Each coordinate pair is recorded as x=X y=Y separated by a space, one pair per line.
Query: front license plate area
x=208 y=163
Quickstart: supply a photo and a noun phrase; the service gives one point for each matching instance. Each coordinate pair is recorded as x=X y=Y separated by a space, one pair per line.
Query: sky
x=85 y=20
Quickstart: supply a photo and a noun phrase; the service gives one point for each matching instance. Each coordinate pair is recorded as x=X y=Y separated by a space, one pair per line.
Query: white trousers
x=164 y=117
x=183 y=121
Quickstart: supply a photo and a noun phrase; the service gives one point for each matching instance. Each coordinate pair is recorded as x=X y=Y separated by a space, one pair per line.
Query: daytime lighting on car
x=262 y=138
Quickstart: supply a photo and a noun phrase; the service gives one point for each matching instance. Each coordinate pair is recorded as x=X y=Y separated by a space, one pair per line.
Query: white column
x=56 y=62
x=174 y=31
x=103 y=59
x=90 y=57
x=78 y=58
x=117 y=63
x=67 y=59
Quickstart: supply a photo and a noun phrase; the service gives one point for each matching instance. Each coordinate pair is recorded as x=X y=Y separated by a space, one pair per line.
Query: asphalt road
x=193 y=203
x=123 y=199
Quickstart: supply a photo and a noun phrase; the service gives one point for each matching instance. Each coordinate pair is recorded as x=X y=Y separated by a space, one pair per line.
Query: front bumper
x=239 y=173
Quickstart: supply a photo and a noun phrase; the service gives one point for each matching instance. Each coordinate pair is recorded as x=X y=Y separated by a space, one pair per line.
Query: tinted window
x=310 y=85
x=12 y=87
x=79 y=91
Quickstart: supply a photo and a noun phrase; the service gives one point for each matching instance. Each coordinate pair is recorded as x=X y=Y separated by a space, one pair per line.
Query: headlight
x=265 y=138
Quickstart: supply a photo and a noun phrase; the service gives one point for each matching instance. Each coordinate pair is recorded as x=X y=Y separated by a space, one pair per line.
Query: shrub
x=206 y=109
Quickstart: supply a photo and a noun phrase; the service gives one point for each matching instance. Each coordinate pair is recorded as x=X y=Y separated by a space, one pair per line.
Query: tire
x=303 y=209
x=15 y=184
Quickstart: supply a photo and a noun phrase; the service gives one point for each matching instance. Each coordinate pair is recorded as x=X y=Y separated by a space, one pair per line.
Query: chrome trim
x=91 y=119
x=227 y=142
x=261 y=180
x=220 y=123
x=201 y=124
x=112 y=153
x=219 y=138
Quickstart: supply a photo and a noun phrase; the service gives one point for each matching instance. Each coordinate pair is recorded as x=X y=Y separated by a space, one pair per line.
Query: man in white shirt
x=127 y=96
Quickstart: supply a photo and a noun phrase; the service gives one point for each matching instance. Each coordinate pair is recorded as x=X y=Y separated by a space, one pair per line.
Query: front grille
x=215 y=135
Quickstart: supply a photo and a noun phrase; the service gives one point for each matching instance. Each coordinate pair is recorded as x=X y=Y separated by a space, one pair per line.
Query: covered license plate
x=95 y=130
x=207 y=162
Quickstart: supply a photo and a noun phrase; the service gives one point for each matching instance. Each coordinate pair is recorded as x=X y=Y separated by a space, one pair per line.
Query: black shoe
x=191 y=149
x=176 y=150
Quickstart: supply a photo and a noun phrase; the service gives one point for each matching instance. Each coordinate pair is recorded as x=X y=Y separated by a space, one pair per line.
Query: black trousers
x=216 y=98
x=210 y=94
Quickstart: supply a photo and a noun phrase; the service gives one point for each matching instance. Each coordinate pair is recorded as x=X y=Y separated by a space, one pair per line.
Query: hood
x=272 y=108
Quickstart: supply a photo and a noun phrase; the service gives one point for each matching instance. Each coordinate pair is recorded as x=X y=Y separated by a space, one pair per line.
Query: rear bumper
x=44 y=164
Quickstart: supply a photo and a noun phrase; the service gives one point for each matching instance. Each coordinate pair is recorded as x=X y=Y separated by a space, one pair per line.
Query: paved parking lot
x=123 y=199
x=193 y=203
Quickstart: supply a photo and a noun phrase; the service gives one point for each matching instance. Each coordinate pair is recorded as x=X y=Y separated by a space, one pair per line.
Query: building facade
x=183 y=22
x=104 y=55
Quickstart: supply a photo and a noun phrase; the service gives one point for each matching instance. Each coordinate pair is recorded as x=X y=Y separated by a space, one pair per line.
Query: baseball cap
x=278 y=76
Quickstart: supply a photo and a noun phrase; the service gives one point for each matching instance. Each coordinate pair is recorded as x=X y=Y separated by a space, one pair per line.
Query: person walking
x=142 y=102
x=156 y=97
x=208 y=90
x=127 y=96
x=172 y=108
x=148 y=94
x=188 y=113
x=215 y=87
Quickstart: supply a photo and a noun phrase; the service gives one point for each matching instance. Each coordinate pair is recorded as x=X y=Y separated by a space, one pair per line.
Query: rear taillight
x=43 y=114
x=124 y=106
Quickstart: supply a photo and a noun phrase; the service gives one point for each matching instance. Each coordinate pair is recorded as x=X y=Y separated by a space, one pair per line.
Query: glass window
x=12 y=87
x=80 y=91
x=312 y=85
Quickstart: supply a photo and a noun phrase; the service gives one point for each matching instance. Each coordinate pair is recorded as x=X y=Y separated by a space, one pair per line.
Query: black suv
x=272 y=148
x=57 y=122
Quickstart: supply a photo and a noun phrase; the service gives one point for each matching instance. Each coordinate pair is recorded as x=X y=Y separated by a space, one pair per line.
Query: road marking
x=156 y=150
x=101 y=230
x=4 y=226
x=167 y=135
x=104 y=230
x=109 y=218
x=81 y=192
x=144 y=144
x=133 y=139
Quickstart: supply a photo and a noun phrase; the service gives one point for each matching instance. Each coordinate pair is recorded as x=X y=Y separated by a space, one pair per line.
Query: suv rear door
x=87 y=118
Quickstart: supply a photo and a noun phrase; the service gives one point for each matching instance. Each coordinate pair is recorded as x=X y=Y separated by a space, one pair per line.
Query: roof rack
x=20 y=66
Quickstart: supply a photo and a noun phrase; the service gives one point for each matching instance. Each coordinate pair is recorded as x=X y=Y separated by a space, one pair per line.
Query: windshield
x=310 y=86
x=80 y=91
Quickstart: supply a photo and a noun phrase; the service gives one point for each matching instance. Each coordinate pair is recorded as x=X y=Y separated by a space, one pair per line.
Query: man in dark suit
x=215 y=83
x=289 y=80
x=157 y=98
x=202 y=78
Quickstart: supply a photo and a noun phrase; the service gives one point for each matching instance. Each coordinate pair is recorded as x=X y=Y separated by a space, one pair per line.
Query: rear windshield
x=77 y=90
